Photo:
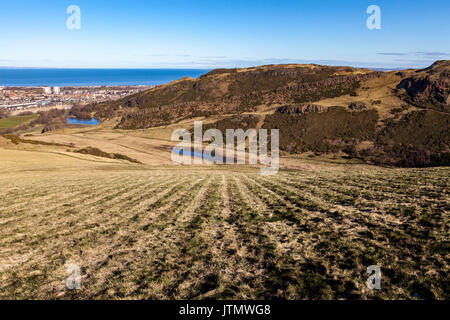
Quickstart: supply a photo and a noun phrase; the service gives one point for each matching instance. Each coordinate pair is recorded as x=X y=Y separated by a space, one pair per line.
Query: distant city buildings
x=33 y=98
x=47 y=90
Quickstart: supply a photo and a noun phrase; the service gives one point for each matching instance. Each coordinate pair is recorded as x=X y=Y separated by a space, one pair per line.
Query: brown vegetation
x=16 y=140
x=420 y=138
x=3 y=113
x=25 y=113
x=301 y=109
x=244 y=122
x=216 y=232
x=49 y=120
x=99 y=153
x=232 y=91
x=224 y=234
x=80 y=112
x=328 y=131
x=428 y=88
x=417 y=139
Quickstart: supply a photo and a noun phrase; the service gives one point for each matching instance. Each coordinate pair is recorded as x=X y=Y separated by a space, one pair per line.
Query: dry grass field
x=159 y=231
x=167 y=232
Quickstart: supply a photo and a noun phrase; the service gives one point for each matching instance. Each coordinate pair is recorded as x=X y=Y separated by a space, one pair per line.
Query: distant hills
x=391 y=118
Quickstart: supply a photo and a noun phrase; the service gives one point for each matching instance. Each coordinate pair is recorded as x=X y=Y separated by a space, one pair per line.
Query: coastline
x=41 y=77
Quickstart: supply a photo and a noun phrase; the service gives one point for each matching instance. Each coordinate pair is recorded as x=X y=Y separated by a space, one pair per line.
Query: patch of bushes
x=419 y=139
x=47 y=117
x=396 y=110
x=324 y=92
x=418 y=128
x=243 y=122
x=80 y=112
x=3 y=113
x=257 y=81
x=25 y=113
x=16 y=140
x=51 y=119
x=99 y=153
x=376 y=102
x=328 y=131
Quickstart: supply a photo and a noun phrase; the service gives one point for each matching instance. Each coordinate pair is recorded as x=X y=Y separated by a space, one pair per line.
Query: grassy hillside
x=159 y=231
x=372 y=116
x=328 y=131
x=420 y=138
x=416 y=138
x=370 y=122
x=232 y=91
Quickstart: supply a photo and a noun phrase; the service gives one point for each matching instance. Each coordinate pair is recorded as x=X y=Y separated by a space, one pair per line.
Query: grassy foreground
x=224 y=232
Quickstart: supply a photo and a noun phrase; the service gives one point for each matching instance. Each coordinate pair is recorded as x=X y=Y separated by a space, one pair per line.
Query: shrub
x=80 y=112
x=99 y=153
x=16 y=140
x=3 y=113
x=328 y=131
x=25 y=113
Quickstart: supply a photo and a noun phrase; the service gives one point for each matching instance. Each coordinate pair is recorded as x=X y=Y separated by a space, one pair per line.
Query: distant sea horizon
x=38 y=77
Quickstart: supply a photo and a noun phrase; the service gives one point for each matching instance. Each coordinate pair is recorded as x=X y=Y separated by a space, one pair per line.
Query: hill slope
x=393 y=118
x=429 y=88
x=226 y=91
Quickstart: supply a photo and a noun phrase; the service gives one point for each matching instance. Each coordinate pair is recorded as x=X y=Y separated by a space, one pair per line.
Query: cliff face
x=226 y=91
x=429 y=88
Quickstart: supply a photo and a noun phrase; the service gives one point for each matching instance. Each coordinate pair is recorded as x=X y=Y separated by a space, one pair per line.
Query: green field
x=15 y=121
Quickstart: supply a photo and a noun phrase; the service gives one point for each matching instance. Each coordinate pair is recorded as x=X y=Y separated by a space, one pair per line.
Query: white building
x=47 y=90
x=56 y=90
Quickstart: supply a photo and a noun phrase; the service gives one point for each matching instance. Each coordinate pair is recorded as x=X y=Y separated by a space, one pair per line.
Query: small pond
x=194 y=153
x=200 y=154
x=91 y=122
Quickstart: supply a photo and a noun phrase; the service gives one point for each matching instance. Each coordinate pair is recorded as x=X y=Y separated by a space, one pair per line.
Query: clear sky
x=222 y=33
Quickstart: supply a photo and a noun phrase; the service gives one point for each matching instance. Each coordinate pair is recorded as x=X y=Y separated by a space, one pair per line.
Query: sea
x=35 y=77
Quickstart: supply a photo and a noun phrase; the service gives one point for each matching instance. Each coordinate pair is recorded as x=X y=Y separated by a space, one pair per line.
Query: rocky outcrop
x=302 y=109
x=428 y=88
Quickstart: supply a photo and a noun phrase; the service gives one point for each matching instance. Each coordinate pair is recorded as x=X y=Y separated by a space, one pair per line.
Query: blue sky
x=225 y=33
